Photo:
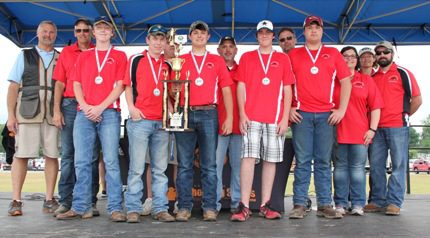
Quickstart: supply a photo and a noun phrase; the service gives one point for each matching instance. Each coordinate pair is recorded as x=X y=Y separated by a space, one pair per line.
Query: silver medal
x=156 y=92
x=314 y=70
x=199 y=81
x=265 y=81
x=98 y=80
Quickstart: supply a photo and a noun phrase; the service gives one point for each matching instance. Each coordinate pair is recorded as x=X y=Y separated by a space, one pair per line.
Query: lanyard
x=199 y=69
x=314 y=60
x=100 y=67
x=156 y=77
x=265 y=67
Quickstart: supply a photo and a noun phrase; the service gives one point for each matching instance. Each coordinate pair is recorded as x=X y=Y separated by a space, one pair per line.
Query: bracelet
x=372 y=130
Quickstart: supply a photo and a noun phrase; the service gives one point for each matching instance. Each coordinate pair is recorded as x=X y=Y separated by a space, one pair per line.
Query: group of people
x=340 y=105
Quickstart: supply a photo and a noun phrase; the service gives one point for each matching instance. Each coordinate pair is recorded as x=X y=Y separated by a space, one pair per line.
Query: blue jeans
x=397 y=141
x=232 y=143
x=350 y=175
x=205 y=125
x=67 y=175
x=84 y=138
x=313 y=140
x=144 y=135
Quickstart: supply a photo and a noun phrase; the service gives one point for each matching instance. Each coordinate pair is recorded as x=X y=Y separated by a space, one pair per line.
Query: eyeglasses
x=385 y=52
x=285 y=39
x=349 y=56
x=82 y=30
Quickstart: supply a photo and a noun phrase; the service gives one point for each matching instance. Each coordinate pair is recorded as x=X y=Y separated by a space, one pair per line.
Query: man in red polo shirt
x=313 y=116
x=65 y=106
x=208 y=75
x=402 y=98
x=231 y=143
x=264 y=100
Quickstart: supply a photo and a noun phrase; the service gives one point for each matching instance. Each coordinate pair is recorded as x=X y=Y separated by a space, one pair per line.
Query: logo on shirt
x=110 y=61
x=210 y=65
x=325 y=56
x=358 y=84
x=393 y=79
x=274 y=64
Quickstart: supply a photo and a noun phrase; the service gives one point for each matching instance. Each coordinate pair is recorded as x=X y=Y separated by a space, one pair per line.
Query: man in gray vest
x=29 y=104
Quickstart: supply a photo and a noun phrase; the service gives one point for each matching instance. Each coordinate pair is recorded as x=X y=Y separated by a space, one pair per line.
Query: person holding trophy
x=144 y=97
x=207 y=75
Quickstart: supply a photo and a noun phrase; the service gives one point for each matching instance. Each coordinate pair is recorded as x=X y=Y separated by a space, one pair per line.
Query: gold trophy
x=177 y=119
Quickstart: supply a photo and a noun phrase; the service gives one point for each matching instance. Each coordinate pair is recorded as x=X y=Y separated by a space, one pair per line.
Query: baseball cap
x=103 y=19
x=83 y=20
x=227 y=38
x=157 y=30
x=200 y=25
x=311 y=19
x=385 y=44
x=366 y=50
x=265 y=24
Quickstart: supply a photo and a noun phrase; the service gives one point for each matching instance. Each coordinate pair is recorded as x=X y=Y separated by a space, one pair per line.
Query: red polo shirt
x=394 y=113
x=64 y=67
x=149 y=104
x=85 y=72
x=214 y=74
x=222 y=114
x=264 y=103
x=365 y=97
x=315 y=92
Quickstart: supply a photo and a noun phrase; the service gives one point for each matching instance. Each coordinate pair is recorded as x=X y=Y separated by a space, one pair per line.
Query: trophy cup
x=177 y=119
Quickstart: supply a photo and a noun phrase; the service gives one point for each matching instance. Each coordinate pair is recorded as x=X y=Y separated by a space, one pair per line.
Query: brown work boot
x=183 y=215
x=15 y=208
x=118 y=216
x=392 y=210
x=50 y=206
x=69 y=215
x=298 y=212
x=210 y=215
x=133 y=217
x=163 y=216
x=328 y=212
x=372 y=207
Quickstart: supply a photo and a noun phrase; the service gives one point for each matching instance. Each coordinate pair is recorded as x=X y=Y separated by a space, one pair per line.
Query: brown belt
x=203 y=107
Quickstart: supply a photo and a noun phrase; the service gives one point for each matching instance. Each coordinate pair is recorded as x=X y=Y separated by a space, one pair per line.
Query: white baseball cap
x=265 y=24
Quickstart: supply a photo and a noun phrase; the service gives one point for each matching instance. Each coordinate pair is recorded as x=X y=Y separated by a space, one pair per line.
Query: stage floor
x=414 y=221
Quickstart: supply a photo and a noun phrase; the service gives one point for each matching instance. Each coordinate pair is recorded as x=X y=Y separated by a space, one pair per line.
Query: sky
x=414 y=58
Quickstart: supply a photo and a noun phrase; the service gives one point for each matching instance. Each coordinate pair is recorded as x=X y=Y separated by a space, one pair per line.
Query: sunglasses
x=285 y=39
x=157 y=29
x=82 y=30
x=385 y=52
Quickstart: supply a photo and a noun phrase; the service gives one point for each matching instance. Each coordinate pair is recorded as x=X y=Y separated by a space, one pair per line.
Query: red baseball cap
x=311 y=19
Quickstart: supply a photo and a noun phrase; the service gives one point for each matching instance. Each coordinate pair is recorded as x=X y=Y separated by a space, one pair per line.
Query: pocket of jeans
x=30 y=105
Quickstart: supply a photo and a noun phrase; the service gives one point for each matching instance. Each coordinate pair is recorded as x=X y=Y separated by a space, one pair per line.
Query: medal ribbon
x=265 y=67
x=314 y=60
x=199 y=69
x=100 y=68
x=153 y=70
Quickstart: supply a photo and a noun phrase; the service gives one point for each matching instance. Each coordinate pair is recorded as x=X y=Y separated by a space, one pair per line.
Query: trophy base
x=177 y=129
x=176 y=81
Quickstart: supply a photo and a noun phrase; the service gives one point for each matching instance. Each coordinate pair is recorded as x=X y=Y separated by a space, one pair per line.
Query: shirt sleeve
x=15 y=74
x=127 y=77
x=342 y=70
x=288 y=77
x=415 y=89
x=240 y=75
x=77 y=68
x=374 y=98
x=60 y=73
x=223 y=74
x=122 y=64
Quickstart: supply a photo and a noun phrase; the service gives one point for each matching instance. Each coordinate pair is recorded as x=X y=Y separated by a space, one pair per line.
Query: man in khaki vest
x=29 y=104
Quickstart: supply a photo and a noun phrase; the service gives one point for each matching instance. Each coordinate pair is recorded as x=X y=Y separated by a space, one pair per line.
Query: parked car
x=421 y=166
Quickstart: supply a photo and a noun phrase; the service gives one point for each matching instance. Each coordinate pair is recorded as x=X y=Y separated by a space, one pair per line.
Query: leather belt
x=203 y=107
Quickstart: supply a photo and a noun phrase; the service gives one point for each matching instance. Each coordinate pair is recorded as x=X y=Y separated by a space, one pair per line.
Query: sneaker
x=371 y=207
x=146 y=207
x=70 y=215
x=308 y=205
x=175 y=208
x=118 y=216
x=357 y=210
x=298 y=212
x=328 y=212
x=163 y=216
x=183 y=215
x=243 y=213
x=340 y=209
x=15 y=208
x=233 y=210
x=210 y=215
x=104 y=194
x=133 y=217
x=96 y=211
x=269 y=213
x=61 y=209
x=50 y=206
x=392 y=210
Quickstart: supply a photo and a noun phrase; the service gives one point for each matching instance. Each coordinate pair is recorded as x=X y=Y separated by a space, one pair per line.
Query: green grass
x=35 y=182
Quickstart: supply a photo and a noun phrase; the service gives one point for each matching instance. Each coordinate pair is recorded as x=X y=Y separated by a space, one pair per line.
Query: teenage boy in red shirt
x=264 y=100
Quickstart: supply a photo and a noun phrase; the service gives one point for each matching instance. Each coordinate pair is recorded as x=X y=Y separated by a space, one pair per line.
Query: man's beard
x=385 y=62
